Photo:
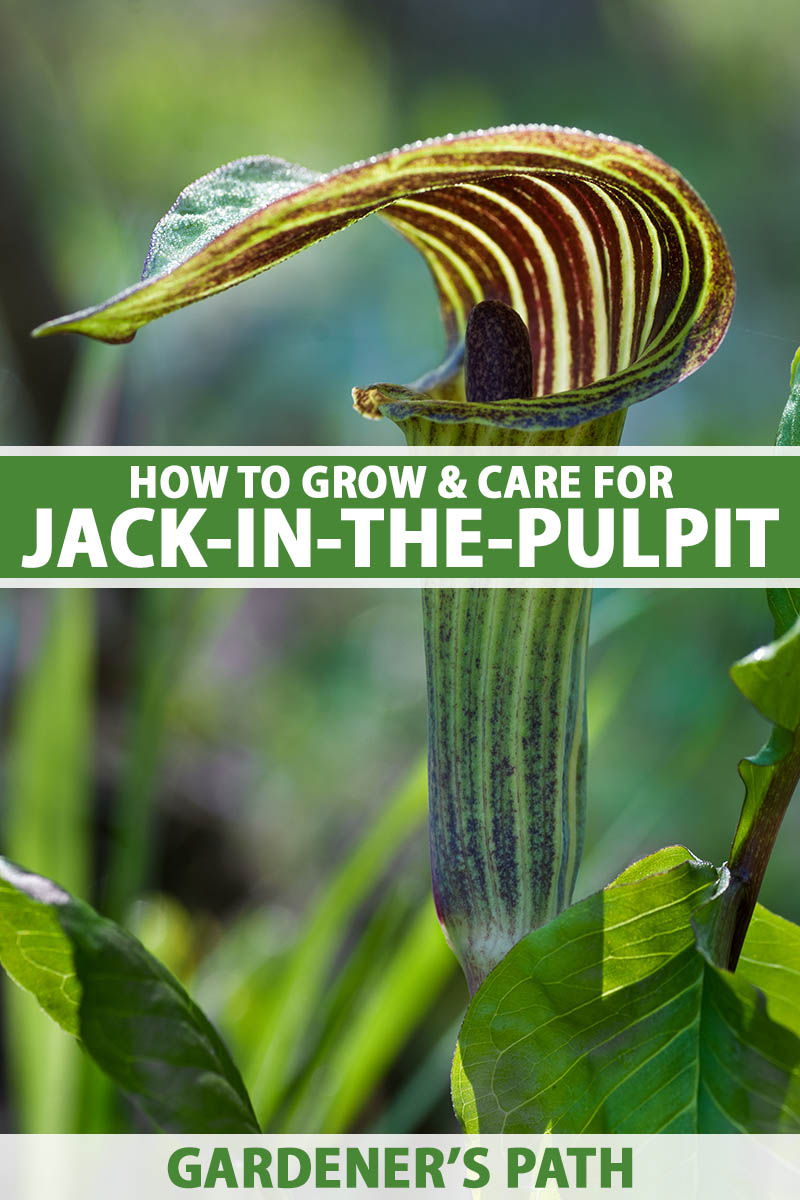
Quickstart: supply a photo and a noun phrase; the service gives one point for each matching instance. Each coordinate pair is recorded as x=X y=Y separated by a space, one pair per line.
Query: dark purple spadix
x=498 y=354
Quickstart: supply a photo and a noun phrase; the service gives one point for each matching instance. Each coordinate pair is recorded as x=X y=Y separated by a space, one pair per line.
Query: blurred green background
x=237 y=775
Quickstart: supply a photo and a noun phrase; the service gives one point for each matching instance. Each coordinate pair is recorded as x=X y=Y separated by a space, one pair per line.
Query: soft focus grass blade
x=162 y=626
x=381 y=1022
x=238 y=980
x=361 y=964
x=424 y=1089
x=305 y=977
x=46 y=822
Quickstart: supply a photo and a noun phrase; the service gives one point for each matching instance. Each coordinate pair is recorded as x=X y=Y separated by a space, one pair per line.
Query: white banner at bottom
x=161 y=1167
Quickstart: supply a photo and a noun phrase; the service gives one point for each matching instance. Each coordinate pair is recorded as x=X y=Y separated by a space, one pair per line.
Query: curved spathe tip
x=610 y=258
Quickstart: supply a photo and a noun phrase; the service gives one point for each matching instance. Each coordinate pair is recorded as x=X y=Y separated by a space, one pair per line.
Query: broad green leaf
x=610 y=1019
x=771 y=960
x=132 y=1016
x=614 y=263
x=33 y=948
x=661 y=860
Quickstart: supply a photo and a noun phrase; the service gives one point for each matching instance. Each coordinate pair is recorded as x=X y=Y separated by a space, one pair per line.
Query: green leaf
x=662 y=860
x=610 y=1019
x=613 y=262
x=784 y=603
x=770 y=679
x=789 y=427
x=33 y=948
x=132 y=1016
x=771 y=960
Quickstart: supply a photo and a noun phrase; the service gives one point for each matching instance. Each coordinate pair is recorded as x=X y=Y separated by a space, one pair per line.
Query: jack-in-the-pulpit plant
x=606 y=280
x=577 y=275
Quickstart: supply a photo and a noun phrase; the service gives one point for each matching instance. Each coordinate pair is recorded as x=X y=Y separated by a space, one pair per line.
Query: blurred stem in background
x=50 y=813
x=159 y=638
x=303 y=984
x=47 y=820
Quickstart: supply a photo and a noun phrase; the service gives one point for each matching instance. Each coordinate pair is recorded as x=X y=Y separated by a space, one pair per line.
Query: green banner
x=367 y=515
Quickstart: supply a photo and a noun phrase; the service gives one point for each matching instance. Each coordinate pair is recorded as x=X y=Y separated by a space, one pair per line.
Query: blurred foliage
x=225 y=754
x=46 y=819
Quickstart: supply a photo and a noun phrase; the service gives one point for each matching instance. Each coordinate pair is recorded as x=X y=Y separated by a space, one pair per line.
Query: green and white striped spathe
x=616 y=266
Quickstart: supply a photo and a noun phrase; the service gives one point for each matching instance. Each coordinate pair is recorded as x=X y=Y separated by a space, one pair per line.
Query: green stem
x=757 y=831
x=752 y=847
x=506 y=697
x=506 y=735
x=507 y=758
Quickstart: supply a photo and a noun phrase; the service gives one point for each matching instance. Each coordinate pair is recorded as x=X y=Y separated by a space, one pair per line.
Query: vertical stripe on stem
x=507 y=753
